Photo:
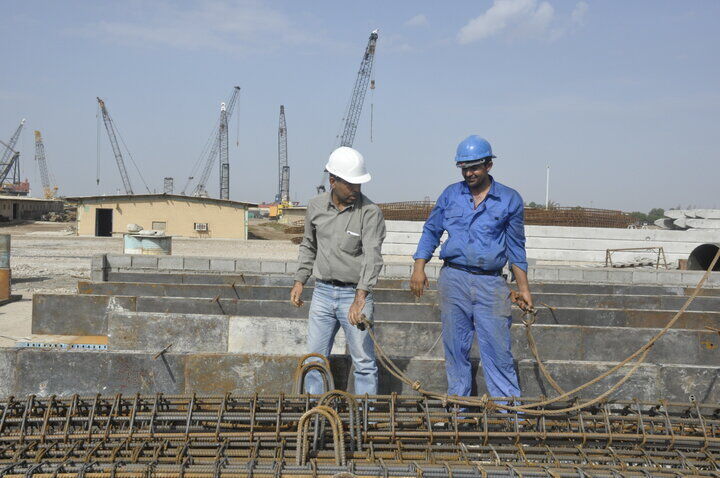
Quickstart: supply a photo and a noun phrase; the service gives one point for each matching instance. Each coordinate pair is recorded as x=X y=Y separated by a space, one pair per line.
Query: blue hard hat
x=473 y=149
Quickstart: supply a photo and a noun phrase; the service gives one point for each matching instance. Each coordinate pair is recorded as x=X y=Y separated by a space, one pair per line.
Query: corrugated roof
x=130 y=197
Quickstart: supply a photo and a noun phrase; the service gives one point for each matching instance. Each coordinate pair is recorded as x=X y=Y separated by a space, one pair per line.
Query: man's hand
x=418 y=280
x=296 y=293
x=523 y=299
x=355 y=312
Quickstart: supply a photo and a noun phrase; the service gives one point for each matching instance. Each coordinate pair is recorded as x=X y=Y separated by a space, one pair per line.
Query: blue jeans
x=479 y=304
x=328 y=312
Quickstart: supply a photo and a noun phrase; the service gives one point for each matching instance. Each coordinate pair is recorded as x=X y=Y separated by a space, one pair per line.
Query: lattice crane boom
x=215 y=149
x=10 y=158
x=352 y=115
x=224 y=154
x=110 y=127
x=283 y=166
x=48 y=190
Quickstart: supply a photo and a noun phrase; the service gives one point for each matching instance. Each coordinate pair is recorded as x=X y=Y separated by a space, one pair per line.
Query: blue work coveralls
x=479 y=239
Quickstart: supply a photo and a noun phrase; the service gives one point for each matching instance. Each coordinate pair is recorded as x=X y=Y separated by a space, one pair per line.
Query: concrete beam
x=63 y=373
x=150 y=332
x=87 y=314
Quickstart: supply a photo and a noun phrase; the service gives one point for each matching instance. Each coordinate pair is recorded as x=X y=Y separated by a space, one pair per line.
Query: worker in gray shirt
x=344 y=232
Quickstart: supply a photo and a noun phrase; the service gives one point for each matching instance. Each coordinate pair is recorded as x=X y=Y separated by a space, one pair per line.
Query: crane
x=199 y=189
x=352 y=115
x=10 y=160
x=283 y=197
x=110 y=127
x=223 y=153
x=48 y=191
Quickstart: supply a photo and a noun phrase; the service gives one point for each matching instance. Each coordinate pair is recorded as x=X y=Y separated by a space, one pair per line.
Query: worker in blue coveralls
x=484 y=222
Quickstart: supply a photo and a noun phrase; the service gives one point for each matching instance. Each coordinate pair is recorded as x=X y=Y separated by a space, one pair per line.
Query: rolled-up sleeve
x=373 y=235
x=432 y=231
x=308 y=249
x=515 y=233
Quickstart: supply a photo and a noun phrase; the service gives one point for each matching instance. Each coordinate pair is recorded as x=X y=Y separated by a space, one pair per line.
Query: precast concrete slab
x=63 y=373
x=59 y=314
x=278 y=336
x=233 y=291
x=85 y=315
x=153 y=332
x=382 y=295
x=237 y=279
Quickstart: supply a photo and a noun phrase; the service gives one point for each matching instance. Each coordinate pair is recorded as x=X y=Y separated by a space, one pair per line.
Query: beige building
x=183 y=216
x=13 y=208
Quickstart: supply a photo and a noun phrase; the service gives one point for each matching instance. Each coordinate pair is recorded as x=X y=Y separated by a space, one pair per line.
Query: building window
x=201 y=226
x=159 y=225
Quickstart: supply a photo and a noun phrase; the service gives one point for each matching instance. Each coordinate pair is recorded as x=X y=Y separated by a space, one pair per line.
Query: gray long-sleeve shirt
x=342 y=245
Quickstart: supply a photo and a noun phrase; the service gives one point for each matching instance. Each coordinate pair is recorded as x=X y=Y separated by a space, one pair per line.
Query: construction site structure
x=49 y=191
x=168 y=185
x=213 y=152
x=112 y=136
x=352 y=115
x=283 y=196
x=10 y=167
x=224 y=154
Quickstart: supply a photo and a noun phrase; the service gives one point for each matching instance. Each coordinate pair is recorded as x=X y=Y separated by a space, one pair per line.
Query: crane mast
x=48 y=190
x=283 y=196
x=352 y=115
x=110 y=127
x=10 y=160
x=200 y=188
x=224 y=159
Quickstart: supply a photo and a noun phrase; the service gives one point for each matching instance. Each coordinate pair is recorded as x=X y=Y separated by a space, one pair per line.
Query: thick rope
x=640 y=354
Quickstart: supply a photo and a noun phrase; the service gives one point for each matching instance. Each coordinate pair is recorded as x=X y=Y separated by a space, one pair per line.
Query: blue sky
x=620 y=98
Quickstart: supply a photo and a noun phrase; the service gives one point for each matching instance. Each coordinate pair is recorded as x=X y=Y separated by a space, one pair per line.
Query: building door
x=103 y=222
x=16 y=211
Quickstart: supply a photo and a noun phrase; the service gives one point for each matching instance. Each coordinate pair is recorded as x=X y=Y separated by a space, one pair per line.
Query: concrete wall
x=27 y=208
x=179 y=215
x=572 y=244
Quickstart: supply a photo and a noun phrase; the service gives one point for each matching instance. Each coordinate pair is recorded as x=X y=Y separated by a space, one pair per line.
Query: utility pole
x=547 y=188
x=224 y=159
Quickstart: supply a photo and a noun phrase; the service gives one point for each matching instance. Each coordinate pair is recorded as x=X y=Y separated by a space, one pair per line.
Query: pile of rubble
x=68 y=215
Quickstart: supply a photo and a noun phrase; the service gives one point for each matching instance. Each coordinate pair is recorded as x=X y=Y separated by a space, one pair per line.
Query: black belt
x=473 y=270
x=338 y=283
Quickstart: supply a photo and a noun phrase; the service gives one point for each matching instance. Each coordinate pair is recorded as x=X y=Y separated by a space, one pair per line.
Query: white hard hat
x=348 y=164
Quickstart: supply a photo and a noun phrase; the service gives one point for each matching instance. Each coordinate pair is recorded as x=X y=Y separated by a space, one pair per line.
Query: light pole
x=547 y=188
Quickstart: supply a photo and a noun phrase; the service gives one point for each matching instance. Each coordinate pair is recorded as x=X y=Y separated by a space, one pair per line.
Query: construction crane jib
x=49 y=191
x=283 y=197
x=10 y=158
x=200 y=187
x=352 y=115
x=224 y=154
x=358 y=95
x=110 y=127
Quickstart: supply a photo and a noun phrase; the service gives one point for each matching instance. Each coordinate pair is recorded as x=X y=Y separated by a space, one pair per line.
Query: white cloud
x=224 y=25
x=577 y=17
x=418 y=20
x=520 y=18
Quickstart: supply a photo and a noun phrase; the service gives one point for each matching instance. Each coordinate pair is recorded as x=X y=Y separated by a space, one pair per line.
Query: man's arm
x=373 y=235
x=515 y=249
x=432 y=232
x=306 y=258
